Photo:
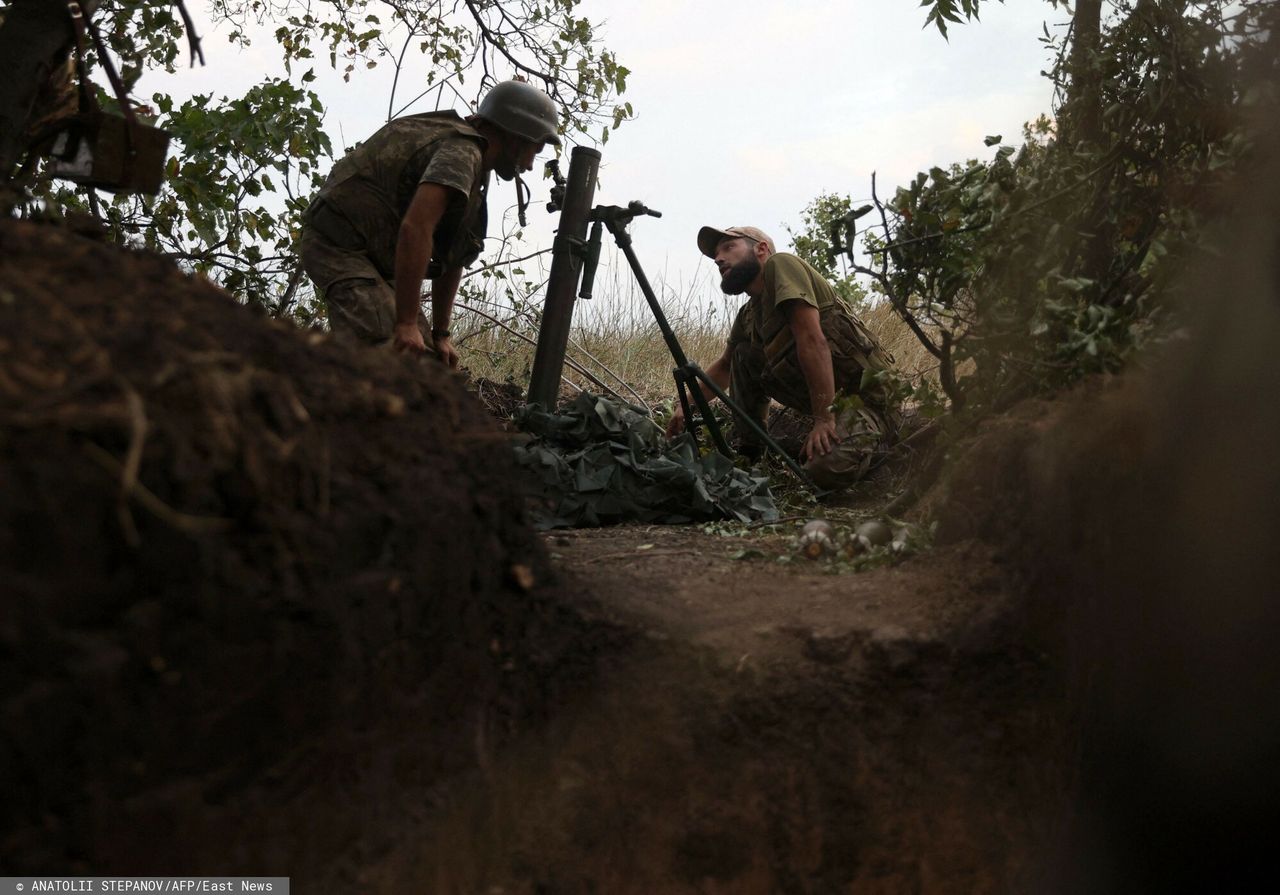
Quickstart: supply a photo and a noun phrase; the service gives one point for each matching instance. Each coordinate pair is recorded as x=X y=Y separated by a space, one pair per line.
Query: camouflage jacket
x=361 y=205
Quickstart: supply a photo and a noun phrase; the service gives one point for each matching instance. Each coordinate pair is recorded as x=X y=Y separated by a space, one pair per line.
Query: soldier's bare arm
x=413 y=253
x=814 y=356
x=444 y=289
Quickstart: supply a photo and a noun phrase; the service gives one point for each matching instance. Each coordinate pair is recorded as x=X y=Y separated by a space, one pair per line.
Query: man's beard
x=737 y=278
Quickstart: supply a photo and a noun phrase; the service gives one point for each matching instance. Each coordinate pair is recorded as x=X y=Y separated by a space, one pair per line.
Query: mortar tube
x=562 y=284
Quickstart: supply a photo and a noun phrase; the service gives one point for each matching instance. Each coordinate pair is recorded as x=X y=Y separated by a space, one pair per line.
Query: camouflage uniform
x=764 y=365
x=349 y=231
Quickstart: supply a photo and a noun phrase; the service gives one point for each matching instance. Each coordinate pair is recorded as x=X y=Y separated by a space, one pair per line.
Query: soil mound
x=235 y=558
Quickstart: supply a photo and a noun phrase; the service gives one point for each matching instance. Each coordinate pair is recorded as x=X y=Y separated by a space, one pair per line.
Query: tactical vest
x=459 y=236
x=854 y=348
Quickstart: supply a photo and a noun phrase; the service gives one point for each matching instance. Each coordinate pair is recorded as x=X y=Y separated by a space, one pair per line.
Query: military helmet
x=521 y=109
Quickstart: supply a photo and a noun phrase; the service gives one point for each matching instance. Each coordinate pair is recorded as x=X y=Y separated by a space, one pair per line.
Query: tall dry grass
x=615 y=345
x=909 y=355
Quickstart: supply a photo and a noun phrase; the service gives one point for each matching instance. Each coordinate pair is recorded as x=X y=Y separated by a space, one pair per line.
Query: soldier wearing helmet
x=794 y=341
x=409 y=204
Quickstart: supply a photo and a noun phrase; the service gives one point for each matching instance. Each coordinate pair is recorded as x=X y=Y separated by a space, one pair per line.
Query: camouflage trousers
x=863 y=432
x=361 y=304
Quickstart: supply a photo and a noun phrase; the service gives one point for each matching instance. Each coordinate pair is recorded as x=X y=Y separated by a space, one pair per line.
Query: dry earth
x=771 y=729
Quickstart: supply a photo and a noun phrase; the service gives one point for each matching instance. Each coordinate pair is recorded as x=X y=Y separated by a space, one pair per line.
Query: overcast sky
x=746 y=111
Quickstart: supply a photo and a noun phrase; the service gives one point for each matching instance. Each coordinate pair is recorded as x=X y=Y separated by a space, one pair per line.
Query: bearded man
x=795 y=341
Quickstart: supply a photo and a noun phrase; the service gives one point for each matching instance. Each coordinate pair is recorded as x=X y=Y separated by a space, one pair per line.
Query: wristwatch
x=440 y=334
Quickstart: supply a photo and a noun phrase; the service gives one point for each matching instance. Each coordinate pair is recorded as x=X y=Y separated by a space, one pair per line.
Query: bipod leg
x=682 y=391
x=687 y=379
x=740 y=414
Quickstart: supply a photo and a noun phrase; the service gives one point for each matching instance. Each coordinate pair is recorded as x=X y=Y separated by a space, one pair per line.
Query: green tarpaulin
x=598 y=461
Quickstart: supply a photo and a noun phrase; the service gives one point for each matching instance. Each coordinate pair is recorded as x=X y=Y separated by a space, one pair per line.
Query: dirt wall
x=256 y=584
x=1143 y=514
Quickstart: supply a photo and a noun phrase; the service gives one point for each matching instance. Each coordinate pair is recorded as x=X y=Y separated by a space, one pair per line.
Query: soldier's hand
x=822 y=438
x=676 y=424
x=448 y=354
x=407 y=337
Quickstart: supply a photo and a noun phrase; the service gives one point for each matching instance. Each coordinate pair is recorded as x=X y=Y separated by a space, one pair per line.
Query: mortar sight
x=552 y=170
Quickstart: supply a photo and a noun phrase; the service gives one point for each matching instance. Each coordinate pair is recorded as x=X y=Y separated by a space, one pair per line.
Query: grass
x=615 y=345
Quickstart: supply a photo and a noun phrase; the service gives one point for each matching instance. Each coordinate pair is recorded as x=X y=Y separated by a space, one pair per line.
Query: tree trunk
x=35 y=38
x=1082 y=129
x=1084 y=94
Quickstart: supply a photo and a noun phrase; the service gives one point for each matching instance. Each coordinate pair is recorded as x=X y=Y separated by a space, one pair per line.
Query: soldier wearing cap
x=408 y=204
x=795 y=341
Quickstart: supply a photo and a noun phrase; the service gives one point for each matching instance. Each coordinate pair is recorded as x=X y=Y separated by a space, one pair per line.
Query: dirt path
x=772 y=728
x=728 y=592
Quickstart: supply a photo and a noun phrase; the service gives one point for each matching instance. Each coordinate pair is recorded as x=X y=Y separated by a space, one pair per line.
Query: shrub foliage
x=1053 y=259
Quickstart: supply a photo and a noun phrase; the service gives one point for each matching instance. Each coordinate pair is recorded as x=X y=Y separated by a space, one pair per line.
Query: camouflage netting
x=599 y=462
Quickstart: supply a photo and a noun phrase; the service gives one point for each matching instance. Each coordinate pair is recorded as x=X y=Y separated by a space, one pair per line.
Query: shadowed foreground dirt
x=773 y=731
x=256 y=583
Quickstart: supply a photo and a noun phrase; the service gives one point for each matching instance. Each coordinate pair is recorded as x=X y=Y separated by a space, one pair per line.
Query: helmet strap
x=523 y=195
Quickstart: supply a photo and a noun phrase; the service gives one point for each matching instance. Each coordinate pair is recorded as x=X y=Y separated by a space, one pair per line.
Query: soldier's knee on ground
x=862 y=445
x=841 y=467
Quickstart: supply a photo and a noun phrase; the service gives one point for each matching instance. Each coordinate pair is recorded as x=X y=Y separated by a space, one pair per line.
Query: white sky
x=746 y=111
